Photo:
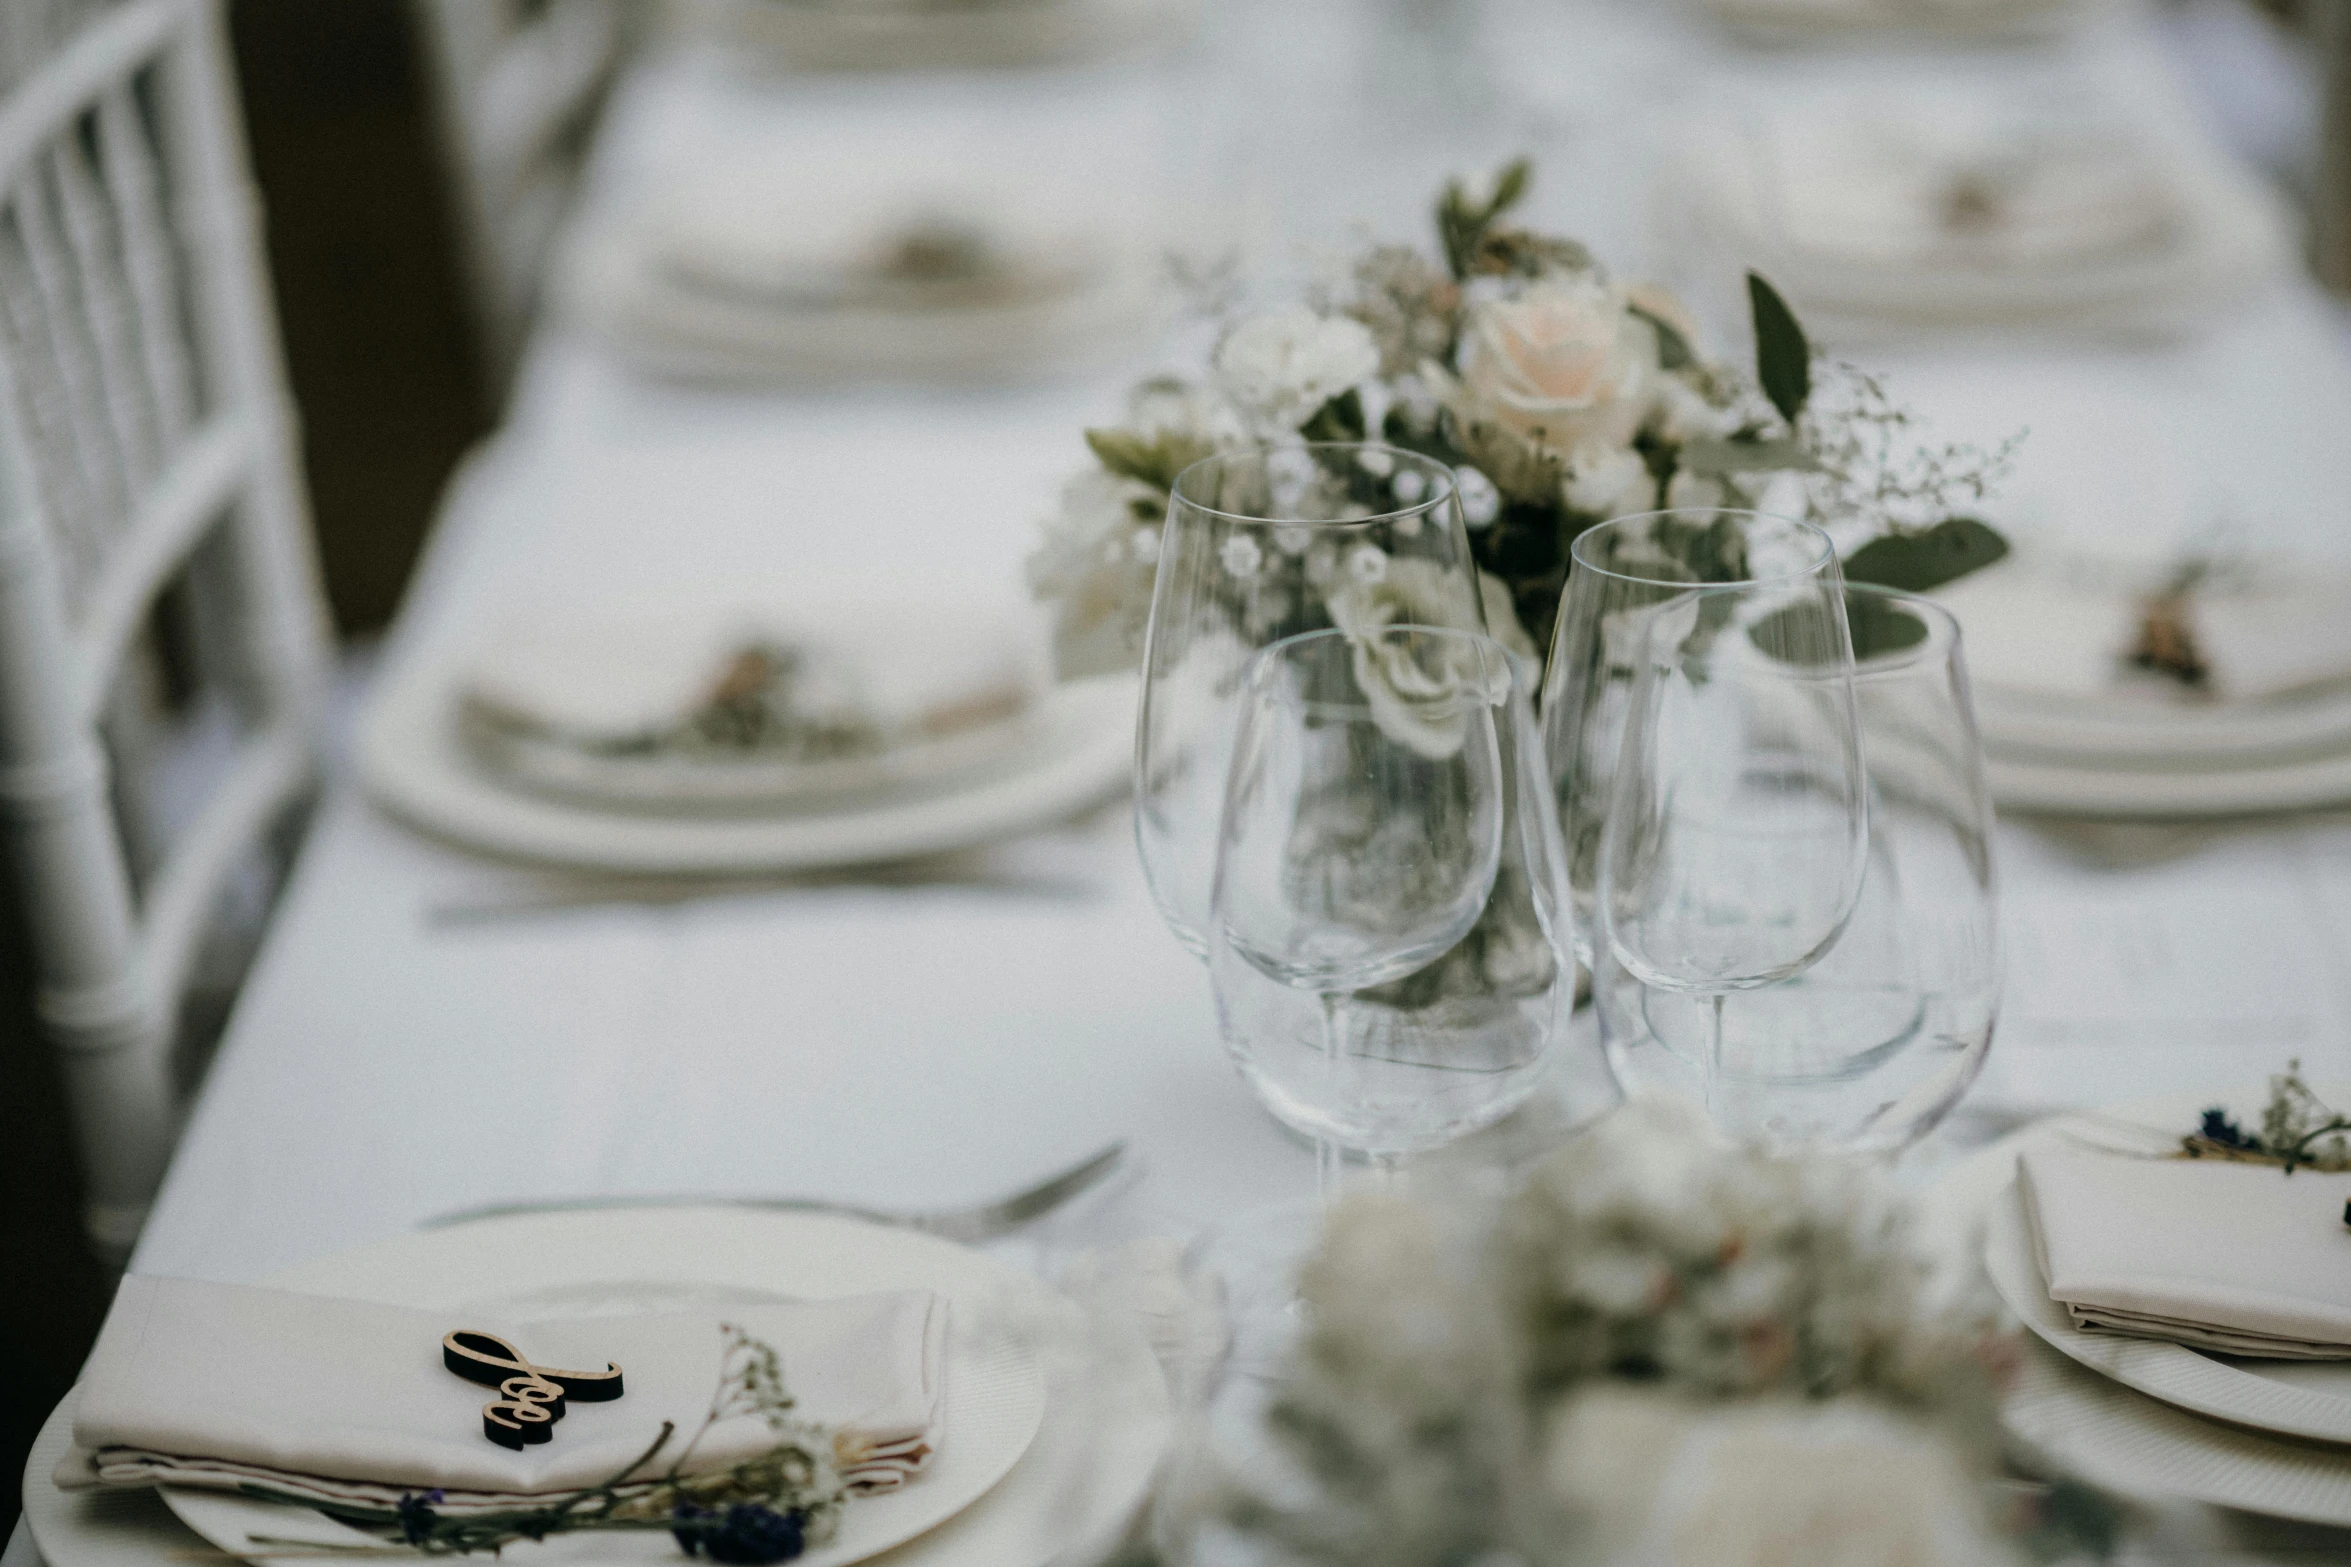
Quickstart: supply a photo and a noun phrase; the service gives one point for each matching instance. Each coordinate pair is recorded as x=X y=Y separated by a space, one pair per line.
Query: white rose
x=1563 y=363
x=1280 y=368
x=1608 y=481
x=1423 y=706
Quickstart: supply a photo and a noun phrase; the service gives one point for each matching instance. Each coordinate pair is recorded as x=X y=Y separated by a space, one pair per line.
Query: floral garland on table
x=1656 y=1347
x=768 y=1508
x=1560 y=397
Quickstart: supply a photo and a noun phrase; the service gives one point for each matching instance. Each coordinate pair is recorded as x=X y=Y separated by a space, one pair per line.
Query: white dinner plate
x=2151 y=732
x=417 y=765
x=1074 y=1489
x=2092 y=1425
x=2291 y=1398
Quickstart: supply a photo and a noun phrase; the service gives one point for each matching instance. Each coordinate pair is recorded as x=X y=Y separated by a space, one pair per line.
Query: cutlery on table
x=986 y=1221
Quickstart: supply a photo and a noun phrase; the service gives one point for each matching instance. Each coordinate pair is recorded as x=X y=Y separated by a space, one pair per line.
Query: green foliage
x=1745 y=454
x=1340 y=419
x=1463 y=224
x=1673 y=349
x=1155 y=461
x=1915 y=562
x=1783 y=359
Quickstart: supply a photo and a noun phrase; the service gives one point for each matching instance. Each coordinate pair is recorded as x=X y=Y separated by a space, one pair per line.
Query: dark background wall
x=380 y=350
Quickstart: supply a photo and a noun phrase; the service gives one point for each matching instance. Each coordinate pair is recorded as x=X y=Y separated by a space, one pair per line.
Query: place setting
x=742 y=731
x=752 y=1385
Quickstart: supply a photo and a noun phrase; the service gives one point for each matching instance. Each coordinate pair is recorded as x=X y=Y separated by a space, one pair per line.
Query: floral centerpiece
x=1655 y=1348
x=1560 y=396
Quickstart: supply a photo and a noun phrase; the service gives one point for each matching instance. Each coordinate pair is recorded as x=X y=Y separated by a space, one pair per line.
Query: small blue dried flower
x=416 y=1516
x=748 y=1534
x=2218 y=1128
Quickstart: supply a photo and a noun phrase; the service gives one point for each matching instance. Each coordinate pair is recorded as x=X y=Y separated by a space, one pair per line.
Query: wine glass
x=1260 y=545
x=1867 y=1049
x=1386 y=938
x=1734 y=844
x=1619 y=573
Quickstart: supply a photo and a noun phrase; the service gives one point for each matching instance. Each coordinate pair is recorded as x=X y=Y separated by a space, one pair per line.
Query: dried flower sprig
x=2298 y=1129
x=768 y=1508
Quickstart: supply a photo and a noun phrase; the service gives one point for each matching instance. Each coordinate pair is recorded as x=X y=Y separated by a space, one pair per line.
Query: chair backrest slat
x=145 y=438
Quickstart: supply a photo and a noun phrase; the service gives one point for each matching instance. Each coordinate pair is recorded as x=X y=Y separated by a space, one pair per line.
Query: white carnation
x=1608 y=481
x=1095 y=567
x=1241 y=555
x=1280 y=368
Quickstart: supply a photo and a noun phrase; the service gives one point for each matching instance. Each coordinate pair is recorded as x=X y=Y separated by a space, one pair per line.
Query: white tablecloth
x=397 y=1053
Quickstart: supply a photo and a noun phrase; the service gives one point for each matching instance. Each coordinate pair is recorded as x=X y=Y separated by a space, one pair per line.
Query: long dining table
x=429 y=1028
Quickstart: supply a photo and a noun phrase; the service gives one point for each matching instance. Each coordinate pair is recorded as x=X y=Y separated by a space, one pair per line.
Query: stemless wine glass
x=1260 y=545
x=1870 y=1047
x=1619 y=573
x=1385 y=928
x=1737 y=825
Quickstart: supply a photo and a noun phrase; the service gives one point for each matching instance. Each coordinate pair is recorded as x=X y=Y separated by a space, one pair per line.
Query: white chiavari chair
x=148 y=473
x=518 y=85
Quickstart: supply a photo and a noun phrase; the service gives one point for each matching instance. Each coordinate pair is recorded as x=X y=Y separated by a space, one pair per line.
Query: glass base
x=1257 y=1255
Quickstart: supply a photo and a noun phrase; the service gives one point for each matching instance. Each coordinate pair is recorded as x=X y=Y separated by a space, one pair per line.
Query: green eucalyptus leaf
x=1915 y=562
x=1712 y=457
x=1801 y=634
x=1783 y=359
x=1510 y=186
x=1673 y=349
x=1340 y=419
x=1152 y=462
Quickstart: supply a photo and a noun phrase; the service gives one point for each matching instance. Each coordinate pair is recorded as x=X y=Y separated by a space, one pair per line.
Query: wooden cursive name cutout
x=533 y=1395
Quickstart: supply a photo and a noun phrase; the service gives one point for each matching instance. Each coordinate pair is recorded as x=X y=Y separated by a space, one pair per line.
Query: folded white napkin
x=2033 y=631
x=2238 y=1259
x=1896 y=191
x=345 y=1402
x=895 y=673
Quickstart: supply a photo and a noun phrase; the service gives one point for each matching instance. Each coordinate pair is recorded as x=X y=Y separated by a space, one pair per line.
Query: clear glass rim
x=1826 y=547
x=1940 y=643
x=1447 y=485
x=1491 y=653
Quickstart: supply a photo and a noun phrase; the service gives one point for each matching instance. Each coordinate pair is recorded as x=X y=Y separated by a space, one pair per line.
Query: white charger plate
x=2094 y=1426
x=2121 y=732
x=417 y=766
x=1074 y=1490
x=2309 y=1399
x=2068 y=789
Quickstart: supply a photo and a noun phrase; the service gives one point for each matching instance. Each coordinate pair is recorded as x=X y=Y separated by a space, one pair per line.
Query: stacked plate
x=712 y=734
x=2071 y=726
x=2143 y=1417
x=932 y=34
x=1806 y=21
x=1053 y=1422
x=1945 y=206
x=764 y=273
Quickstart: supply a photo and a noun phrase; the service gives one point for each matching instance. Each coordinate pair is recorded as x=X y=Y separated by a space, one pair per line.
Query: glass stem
x=1714 y=1049
x=1326 y=1152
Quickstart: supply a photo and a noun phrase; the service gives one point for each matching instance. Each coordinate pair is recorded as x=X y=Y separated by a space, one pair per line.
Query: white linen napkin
x=348 y=1402
x=2238 y=1259
x=612 y=674
x=2033 y=631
